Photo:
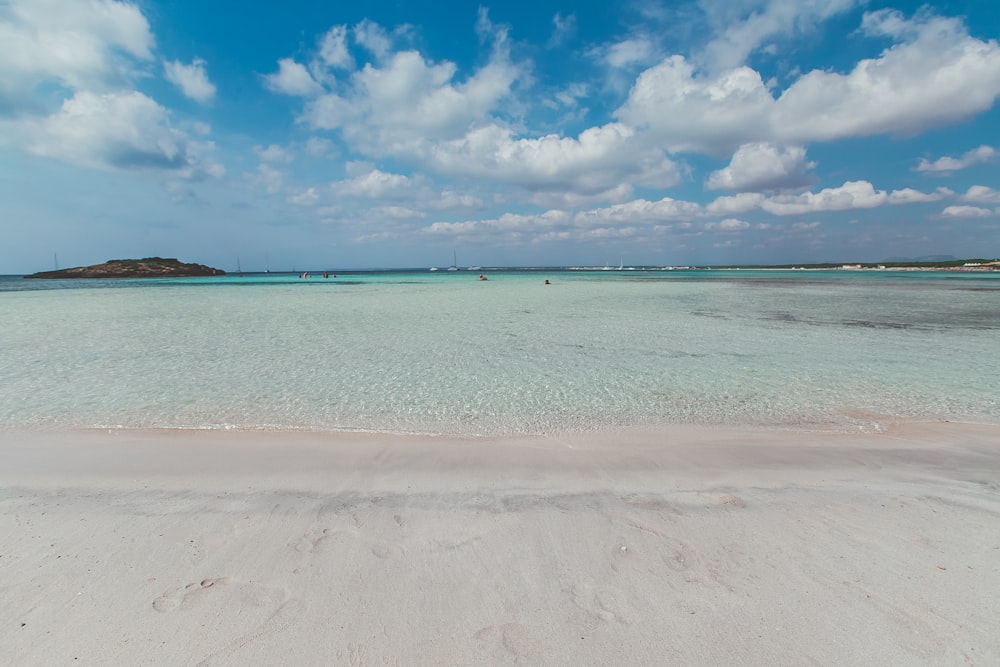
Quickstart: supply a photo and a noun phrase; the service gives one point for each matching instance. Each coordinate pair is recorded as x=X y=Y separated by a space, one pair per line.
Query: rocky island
x=150 y=267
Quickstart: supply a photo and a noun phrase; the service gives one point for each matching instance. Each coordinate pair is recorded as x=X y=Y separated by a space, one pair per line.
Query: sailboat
x=454 y=261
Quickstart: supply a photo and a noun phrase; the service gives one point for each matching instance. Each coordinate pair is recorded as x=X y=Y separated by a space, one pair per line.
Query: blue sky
x=390 y=134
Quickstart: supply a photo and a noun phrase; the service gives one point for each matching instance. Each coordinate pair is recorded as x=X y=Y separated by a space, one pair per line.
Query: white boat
x=454 y=261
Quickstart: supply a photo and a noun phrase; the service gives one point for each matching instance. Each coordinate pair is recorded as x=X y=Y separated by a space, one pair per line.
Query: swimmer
x=482 y=277
x=547 y=282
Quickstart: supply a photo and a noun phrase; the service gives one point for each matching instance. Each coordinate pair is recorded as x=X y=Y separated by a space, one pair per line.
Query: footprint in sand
x=237 y=613
x=514 y=639
x=599 y=604
x=318 y=542
x=677 y=554
x=173 y=599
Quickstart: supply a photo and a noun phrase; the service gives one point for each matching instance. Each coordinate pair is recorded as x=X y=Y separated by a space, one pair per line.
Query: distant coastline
x=949 y=265
x=149 y=267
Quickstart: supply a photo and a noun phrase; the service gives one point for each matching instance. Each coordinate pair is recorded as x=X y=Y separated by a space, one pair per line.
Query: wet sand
x=680 y=545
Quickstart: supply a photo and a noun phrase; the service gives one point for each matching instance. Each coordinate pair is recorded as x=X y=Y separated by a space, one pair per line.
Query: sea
x=446 y=353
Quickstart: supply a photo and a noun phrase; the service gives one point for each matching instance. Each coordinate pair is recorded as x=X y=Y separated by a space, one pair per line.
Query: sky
x=394 y=133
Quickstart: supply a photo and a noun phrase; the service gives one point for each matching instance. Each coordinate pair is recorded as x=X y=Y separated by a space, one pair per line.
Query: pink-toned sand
x=674 y=546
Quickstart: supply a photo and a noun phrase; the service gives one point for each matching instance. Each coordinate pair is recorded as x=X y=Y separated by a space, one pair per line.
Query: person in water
x=482 y=277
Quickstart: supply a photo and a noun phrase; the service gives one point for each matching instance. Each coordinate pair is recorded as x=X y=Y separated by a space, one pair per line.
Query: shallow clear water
x=445 y=353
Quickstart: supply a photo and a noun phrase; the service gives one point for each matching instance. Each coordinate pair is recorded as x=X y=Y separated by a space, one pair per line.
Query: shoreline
x=686 y=545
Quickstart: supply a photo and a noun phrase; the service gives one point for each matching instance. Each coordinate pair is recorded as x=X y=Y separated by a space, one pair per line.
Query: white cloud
x=911 y=196
x=118 y=130
x=191 y=79
x=980 y=194
x=373 y=37
x=573 y=200
x=267 y=177
x=966 y=212
x=319 y=147
x=374 y=184
x=937 y=74
x=642 y=210
x=408 y=107
x=449 y=200
x=628 y=53
x=601 y=158
x=934 y=75
x=407 y=101
x=735 y=204
x=333 y=49
x=851 y=195
x=743 y=27
x=85 y=56
x=273 y=153
x=728 y=225
x=306 y=197
x=763 y=166
x=563 y=27
x=292 y=78
x=398 y=213
x=90 y=45
x=948 y=164
x=705 y=114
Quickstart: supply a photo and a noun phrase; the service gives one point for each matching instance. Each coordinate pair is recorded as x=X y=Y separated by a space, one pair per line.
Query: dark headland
x=150 y=267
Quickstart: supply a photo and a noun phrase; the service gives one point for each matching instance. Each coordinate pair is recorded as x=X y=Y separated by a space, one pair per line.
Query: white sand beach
x=681 y=546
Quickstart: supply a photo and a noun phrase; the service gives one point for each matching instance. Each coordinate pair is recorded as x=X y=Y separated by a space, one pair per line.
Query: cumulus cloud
x=980 y=194
x=743 y=27
x=191 y=79
x=67 y=74
x=273 y=153
x=911 y=196
x=333 y=50
x=79 y=45
x=966 y=212
x=728 y=225
x=598 y=159
x=709 y=114
x=373 y=37
x=292 y=78
x=935 y=74
x=307 y=197
x=374 y=184
x=851 y=195
x=763 y=166
x=118 y=131
x=388 y=109
x=406 y=106
x=949 y=164
x=642 y=211
x=638 y=50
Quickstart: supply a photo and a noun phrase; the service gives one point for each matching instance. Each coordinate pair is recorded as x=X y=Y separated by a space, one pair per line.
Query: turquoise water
x=422 y=352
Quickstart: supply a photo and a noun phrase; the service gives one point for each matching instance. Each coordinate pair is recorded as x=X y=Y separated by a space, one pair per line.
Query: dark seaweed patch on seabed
x=870 y=324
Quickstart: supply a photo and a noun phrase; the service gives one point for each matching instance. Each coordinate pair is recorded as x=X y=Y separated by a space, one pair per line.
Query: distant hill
x=149 y=267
